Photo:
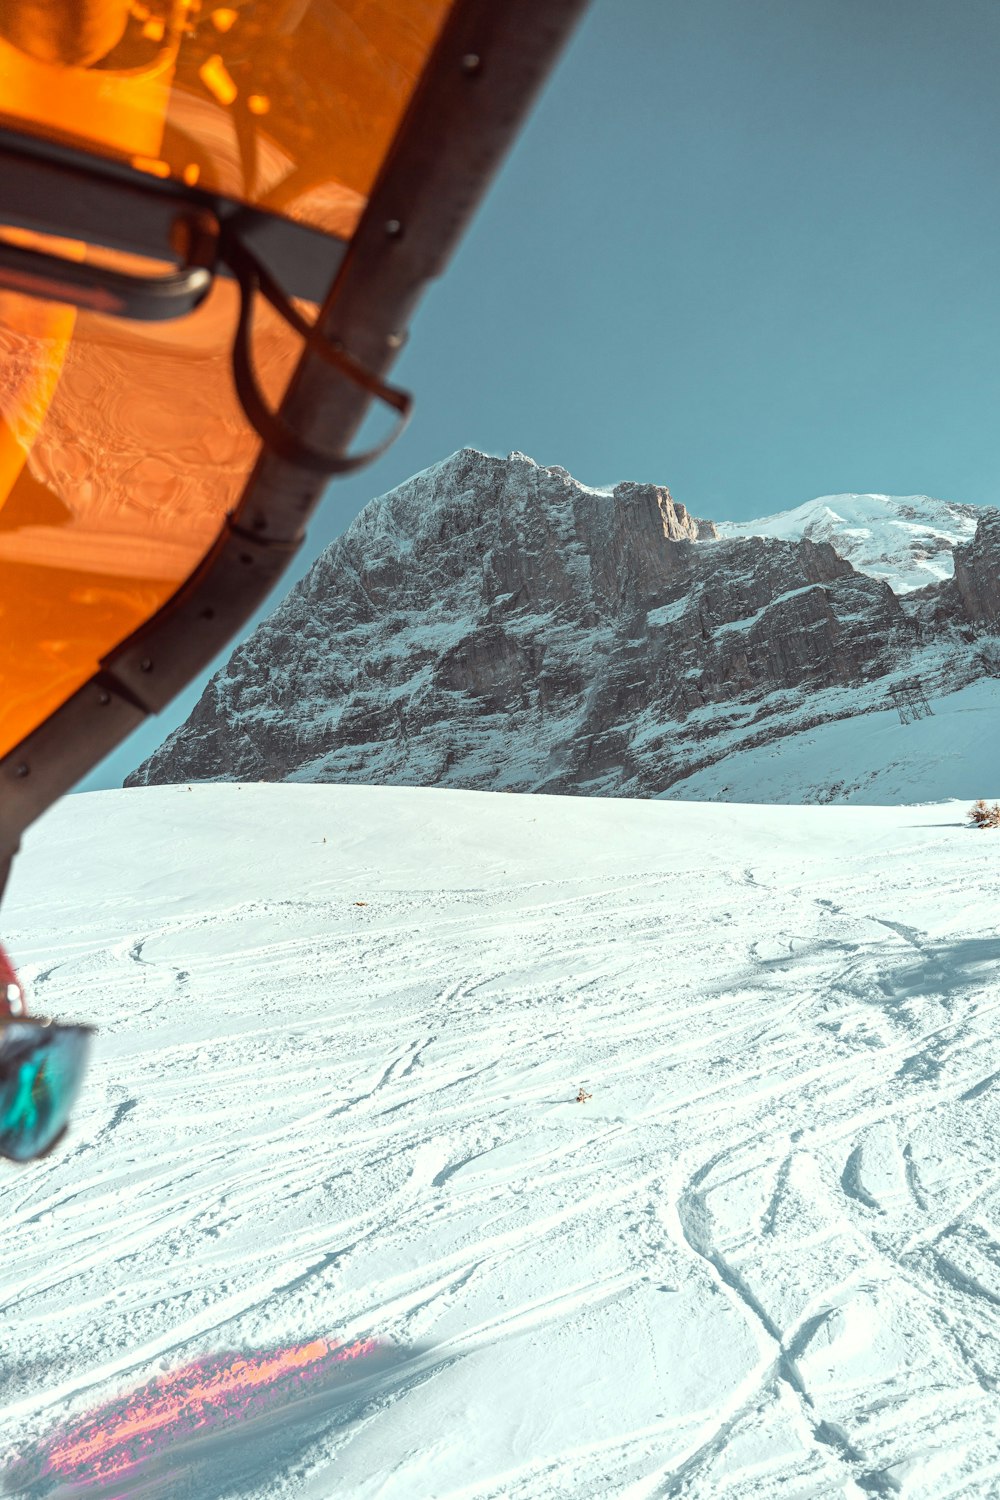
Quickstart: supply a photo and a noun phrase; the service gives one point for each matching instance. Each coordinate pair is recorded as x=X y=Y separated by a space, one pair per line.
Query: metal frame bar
x=55 y=189
x=488 y=64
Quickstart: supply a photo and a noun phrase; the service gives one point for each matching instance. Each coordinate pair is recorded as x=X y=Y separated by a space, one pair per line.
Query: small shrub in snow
x=583 y=1096
x=985 y=815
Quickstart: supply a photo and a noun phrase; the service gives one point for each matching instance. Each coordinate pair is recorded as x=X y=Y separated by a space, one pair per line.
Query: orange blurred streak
x=184 y=1396
x=217 y=79
x=32 y=381
x=152 y=165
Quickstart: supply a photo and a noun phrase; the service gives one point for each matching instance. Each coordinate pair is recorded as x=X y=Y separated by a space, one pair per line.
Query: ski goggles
x=42 y=1064
x=41 y=1069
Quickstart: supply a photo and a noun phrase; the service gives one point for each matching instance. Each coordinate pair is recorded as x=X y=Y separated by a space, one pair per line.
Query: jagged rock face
x=492 y=623
x=977 y=572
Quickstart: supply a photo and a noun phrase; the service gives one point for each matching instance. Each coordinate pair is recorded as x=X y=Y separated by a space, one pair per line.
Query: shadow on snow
x=230 y=1421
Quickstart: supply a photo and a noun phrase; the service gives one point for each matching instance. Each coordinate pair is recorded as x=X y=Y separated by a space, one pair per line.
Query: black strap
x=270 y=425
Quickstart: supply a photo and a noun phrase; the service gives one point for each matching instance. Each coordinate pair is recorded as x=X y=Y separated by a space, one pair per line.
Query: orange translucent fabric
x=122 y=447
x=122 y=444
x=289 y=104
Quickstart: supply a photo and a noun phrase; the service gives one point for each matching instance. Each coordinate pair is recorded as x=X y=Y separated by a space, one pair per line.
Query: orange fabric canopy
x=123 y=445
x=288 y=104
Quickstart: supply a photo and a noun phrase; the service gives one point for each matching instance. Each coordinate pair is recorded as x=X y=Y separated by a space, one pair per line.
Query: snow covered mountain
x=330 y=1221
x=495 y=624
x=908 y=540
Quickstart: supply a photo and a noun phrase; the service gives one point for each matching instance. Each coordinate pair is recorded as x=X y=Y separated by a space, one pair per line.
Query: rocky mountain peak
x=495 y=623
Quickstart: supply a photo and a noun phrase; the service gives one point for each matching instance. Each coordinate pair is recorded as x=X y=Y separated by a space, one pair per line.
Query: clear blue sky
x=749 y=249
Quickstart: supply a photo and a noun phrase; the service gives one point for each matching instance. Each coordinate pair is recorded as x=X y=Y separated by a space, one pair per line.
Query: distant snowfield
x=905 y=539
x=342 y=1030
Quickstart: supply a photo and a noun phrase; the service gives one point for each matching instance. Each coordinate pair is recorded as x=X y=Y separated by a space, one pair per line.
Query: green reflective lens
x=41 y=1069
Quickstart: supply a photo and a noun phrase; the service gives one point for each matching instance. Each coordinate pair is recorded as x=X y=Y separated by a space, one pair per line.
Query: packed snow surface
x=342 y=1032
x=905 y=539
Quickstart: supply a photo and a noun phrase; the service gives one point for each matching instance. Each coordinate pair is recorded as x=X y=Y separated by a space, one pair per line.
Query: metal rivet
x=145 y=665
x=208 y=614
x=104 y=697
x=22 y=770
x=396 y=340
x=471 y=62
x=393 y=228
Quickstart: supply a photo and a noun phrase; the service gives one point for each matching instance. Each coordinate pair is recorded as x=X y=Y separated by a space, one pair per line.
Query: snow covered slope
x=871 y=759
x=905 y=539
x=342 y=1032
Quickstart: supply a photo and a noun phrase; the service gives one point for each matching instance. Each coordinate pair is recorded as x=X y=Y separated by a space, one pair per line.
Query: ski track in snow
x=333 y=1096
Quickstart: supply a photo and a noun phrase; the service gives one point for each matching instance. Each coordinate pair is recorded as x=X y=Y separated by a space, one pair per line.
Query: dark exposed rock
x=495 y=624
x=977 y=572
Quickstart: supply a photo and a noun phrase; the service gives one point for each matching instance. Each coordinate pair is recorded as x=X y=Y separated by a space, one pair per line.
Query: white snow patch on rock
x=905 y=539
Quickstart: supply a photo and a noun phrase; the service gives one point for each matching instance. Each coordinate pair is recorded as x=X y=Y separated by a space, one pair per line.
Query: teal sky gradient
x=748 y=249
